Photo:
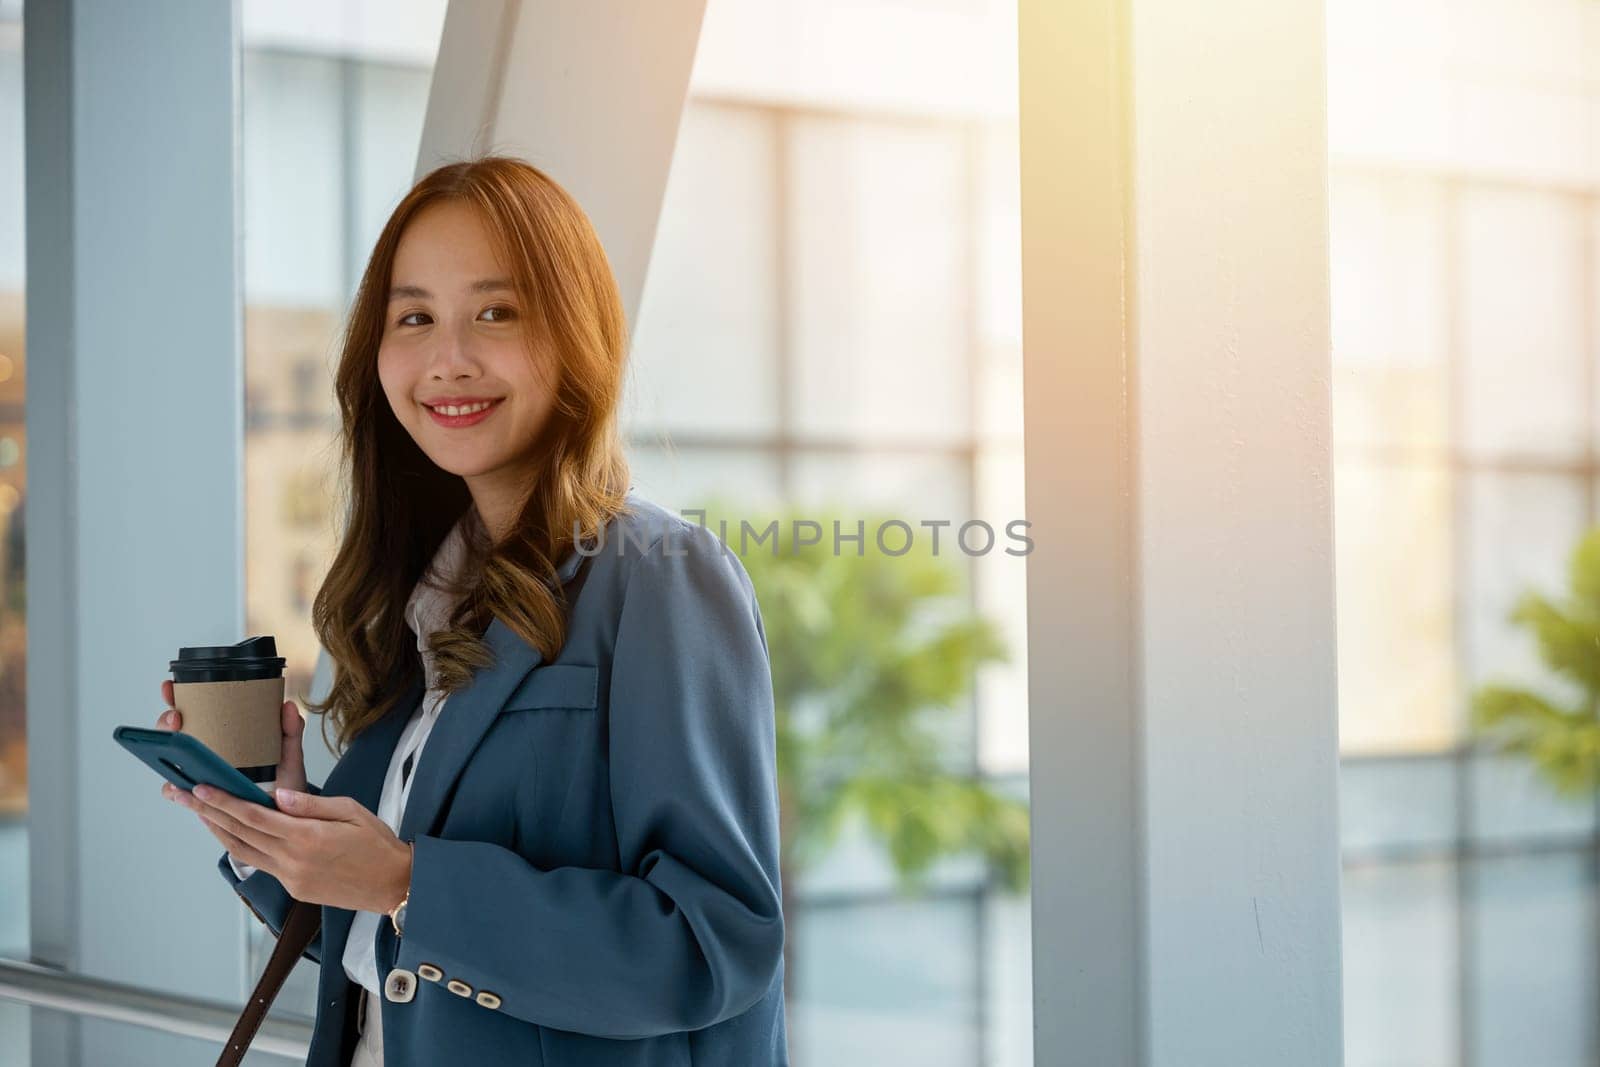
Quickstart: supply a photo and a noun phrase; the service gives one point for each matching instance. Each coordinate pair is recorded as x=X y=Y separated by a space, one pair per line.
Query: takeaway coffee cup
x=231 y=697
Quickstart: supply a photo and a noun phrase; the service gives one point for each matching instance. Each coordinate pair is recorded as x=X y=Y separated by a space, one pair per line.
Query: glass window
x=1401 y=957
x=1519 y=527
x=294 y=176
x=1521 y=309
x=831 y=329
x=1390 y=319
x=705 y=355
x=390 y=102
x=1465 y=245
x=1533 y=964
x=888 y=981
x=13 y=490
x=1394 y=805
x=1397 y=652
x=878 y=227
x=687 y=479
x=1002 y=594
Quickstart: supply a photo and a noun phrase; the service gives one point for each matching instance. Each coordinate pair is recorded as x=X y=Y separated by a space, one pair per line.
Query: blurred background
x=831 y=326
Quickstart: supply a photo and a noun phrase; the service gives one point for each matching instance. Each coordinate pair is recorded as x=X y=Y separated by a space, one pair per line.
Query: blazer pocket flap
x=558 y=685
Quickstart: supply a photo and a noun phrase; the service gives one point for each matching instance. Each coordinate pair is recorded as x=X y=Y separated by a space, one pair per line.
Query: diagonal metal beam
x=590 y=93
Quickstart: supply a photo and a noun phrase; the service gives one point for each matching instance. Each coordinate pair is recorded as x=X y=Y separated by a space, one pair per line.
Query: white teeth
x=467 y=410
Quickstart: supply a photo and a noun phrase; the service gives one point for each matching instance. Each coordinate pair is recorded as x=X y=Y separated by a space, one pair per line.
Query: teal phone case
x=185 y=761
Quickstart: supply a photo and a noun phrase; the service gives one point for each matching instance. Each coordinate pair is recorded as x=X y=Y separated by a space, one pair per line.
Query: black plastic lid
x=254 y=657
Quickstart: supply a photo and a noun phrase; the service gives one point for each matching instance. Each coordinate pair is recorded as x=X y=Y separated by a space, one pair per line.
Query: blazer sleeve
x=689 y=932
x=265 y=896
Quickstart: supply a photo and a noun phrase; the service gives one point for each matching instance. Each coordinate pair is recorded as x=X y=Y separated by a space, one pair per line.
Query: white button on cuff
x=400 y=986
x=458 y=987
x=488 y=999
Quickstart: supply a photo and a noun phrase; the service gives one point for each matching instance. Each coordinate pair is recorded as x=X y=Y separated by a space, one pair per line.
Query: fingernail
x=286 y=797
x=203 y=792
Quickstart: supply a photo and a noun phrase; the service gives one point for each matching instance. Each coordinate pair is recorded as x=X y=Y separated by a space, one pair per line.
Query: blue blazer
x=595 y=838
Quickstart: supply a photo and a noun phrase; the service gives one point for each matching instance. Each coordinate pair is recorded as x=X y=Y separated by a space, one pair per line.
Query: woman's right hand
x=291 y=759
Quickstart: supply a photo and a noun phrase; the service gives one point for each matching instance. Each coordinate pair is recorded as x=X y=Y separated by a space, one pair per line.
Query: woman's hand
x=324 y=850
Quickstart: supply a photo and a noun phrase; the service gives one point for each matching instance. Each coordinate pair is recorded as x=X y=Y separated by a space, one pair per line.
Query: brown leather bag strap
x=299 y=928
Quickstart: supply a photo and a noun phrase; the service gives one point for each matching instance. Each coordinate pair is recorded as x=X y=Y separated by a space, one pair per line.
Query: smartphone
x=186 y=762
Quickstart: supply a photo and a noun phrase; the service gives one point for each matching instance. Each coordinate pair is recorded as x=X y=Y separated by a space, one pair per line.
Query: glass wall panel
x=1532 y=928
x=706 y=350
x=1387 y=278
x=880 y=221
x=1522 y=325
x=1466 y=311
x=1519 y=527
x=889 y=982
x=1401 y=959
x=13 y=495
x=1397 y=653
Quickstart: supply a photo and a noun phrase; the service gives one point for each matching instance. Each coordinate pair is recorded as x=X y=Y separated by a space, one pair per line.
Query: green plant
x=872 y=657
x=1561 y=739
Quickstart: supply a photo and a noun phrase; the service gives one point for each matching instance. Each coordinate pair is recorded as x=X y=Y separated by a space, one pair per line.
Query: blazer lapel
x=468 y=714
x=464 y=719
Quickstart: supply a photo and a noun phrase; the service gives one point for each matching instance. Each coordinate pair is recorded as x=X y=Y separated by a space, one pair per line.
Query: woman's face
x=453 y=336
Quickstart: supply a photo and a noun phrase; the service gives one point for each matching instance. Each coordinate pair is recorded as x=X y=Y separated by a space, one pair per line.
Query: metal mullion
x=1590 y=332
x=783 y=341
x=971 y=156
x=1466 y=945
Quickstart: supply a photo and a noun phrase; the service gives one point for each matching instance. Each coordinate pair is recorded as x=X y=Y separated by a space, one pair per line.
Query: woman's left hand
x=323 y=850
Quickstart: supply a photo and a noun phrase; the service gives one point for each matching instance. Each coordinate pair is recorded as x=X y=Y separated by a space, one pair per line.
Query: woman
x=552 y=833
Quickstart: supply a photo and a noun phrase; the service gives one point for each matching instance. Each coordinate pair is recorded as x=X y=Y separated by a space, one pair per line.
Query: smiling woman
x=552 y=832
x=487 y=283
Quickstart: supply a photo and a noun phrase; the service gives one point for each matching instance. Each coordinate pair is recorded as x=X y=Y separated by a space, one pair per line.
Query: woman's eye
x=504 y=312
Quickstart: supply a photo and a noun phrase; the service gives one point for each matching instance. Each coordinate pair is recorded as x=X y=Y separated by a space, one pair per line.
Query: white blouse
x=427 y=610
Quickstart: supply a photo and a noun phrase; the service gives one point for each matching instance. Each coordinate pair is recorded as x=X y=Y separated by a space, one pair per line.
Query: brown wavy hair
x=399 y=506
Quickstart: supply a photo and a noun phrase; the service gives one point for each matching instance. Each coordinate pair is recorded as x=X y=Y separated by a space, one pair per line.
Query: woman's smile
x=457 y=416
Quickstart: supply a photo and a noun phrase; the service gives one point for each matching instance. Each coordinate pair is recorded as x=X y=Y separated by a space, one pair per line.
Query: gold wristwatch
x=397 y=915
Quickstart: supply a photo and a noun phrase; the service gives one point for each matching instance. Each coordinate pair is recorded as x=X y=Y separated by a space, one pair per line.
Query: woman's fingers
x=242 y=818
x=291 y=758
x=239 y=849
x=166 y=693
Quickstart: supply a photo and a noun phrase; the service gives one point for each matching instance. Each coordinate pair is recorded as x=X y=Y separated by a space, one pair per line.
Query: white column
x=134 y=516
x=590 y=93
x=1181 y=612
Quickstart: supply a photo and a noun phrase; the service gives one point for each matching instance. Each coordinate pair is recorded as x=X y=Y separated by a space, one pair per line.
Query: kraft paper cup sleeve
x=241 y=721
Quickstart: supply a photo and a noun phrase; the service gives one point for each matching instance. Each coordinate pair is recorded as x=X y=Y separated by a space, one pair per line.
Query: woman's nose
x=451 y=354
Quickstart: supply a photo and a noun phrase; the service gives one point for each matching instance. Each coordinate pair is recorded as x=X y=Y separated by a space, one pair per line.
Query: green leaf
x=1583 y=571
